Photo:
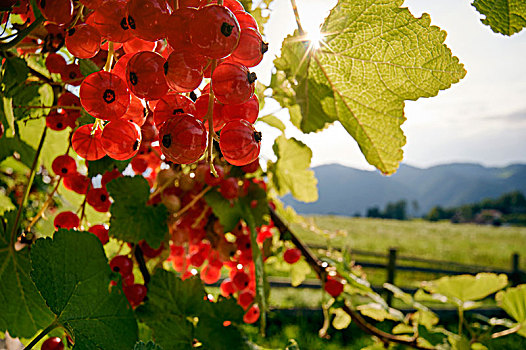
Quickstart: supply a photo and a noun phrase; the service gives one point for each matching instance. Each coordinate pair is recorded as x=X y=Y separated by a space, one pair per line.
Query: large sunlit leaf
x=375 y=56
x=22 y=310
x=466 y=288
x=73 y=275
x=131 y=219
x=513 y=301
x=503 y=16
x=290 y=173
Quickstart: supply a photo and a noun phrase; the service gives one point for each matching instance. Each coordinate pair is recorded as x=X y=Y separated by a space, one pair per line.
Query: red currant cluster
x=164 y=50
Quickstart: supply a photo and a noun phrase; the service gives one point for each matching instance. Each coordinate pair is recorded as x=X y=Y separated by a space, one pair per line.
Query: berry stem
x=192 y=202
x=210 y=117
x=42 y=335
x=77 y=17
x=78 y=108
x=22 y=34
x=139 y=256
x=109 y=59
x=28 y=187
x=297 y=16
x=44 y=207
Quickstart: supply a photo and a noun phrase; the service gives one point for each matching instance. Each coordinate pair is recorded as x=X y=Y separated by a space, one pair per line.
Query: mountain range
x=348 y=191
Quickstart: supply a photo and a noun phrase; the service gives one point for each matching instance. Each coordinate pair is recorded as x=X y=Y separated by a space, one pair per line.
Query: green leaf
x=6 y=204
x=22 y=310
x=146 y=346
x=513 y=301
x=32 y=94
x=290 y=173
x=503 y=16
x=465 y=288
x=131 y=219
x=230 y=213
x=105 y=164
x=272 y=121
x=11 y=146
x=87 y=67
x=379 y=312
x=374 y=56
x=14 y=72
x=177 y=309
x=72 y=274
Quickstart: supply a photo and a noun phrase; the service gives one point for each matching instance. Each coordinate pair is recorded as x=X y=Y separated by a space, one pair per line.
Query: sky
x=481 y=119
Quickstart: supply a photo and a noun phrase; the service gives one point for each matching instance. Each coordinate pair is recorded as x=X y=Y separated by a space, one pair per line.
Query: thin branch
x=109 y=59
x=139 y=256
x=320 y=269
x=44 y=207
x=210 y=117
x=192 y=202
x=41 y=335
x=507 y=331
x=297 y=16
x=28 y=187
x=22 y=34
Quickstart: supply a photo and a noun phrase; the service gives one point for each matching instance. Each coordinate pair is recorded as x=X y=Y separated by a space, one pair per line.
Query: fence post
x=391 y=269
x=515 y=276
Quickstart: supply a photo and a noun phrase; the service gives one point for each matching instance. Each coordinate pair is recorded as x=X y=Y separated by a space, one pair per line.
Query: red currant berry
x=210 y=274
x=245 y=299
x=77 y=183
x=72 y=75
x=57 y=121
x=333 y=286
x=210 y=179
x=135 y=294
x=248 y=111
x=148 y=19
x=214 y=31
x=251 y=48
x=110 y=175
x=139 y=164
x=240 y=143
x=120 y=67
x=64 y=166
x=136 y=112
x=229 y=188
x=183 y=139
x=170 y=106
x=121 y=139
x=149 y=252
x=227 y=288
x=55 y=63
x=241 y=280
x=201 y=106
x=184 y=70
x=91 y=4
x=177 y=28
x=101 y=232
x=292 y=255
x=87 y=143
x=135 y=45
x=145 y=75
x=67 y=220
x=99 y=199
x=54 y=343
x=121 y=264
x=57 y=11
x=252 y=315
x=233 y=83
x=232 y=5
x=246 y=20
x=67 y=99
x=110 y=20
x=83 y=41
x=251 y=167
x=104 y=95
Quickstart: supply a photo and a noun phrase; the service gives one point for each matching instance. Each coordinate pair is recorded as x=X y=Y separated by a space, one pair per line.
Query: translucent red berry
x=149 y=252
x=240 y=280
x=240 y=143
x=177 y=28
x=245 y=20
x=99 y=199
x=135 y=45
x=246 y=298
x=57 y=11
x=214 y=31
x=72 y=75
x=120 y=67
x=64 y=166
x=136 y=112
x=67 y=220
x=121 y=264
x=86 y=142
x=201 y=106
x=57 y=121
x=292 y=255
x=110 y=19
x=121 y=139
x=145 y=75
x=101 y=232
x=229 y=188
x=135 y=293
x=55 y=63
x=233 y=83
x=83 y=41
x=210 y=274
x=183 y=139
x=184 y=70
x=248 y=110
x=212 y=180
x=147 y=19
x=54 y=343
x=77 y=183
x=227 y=287
x=333 y=286
x=252 y=315
x=170 y=106
x=104 y=95
x=251 y=48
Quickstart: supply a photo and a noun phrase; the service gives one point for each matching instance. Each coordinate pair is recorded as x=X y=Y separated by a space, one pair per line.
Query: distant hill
x=346 y=191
